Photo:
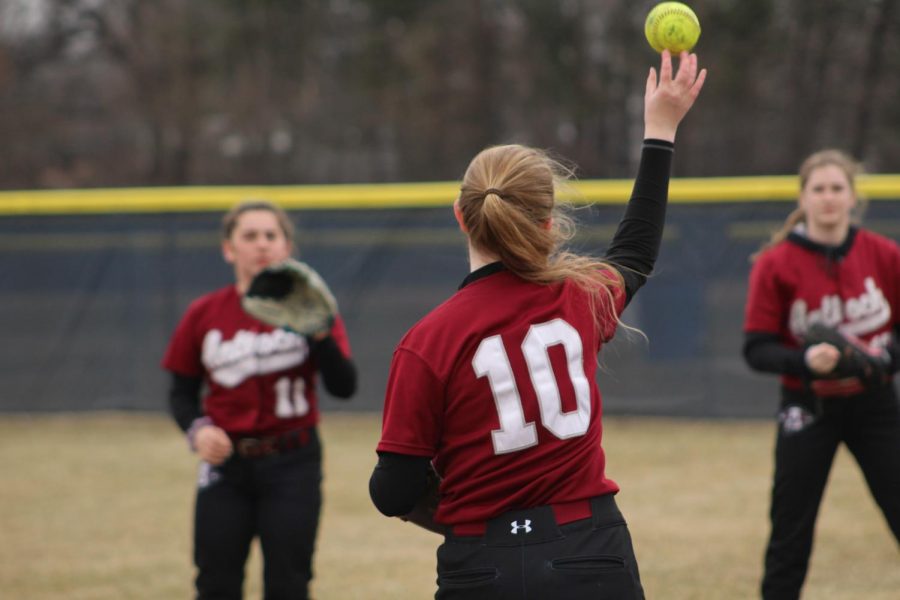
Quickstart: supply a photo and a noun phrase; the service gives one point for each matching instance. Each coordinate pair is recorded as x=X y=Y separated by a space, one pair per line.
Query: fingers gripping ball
x=672 y=26
x=291 y=295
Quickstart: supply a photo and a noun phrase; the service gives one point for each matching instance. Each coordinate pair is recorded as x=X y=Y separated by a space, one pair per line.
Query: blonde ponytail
x=508 y=205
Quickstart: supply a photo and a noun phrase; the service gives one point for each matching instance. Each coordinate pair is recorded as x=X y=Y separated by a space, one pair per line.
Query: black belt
x=269 y=445
x=539 y=524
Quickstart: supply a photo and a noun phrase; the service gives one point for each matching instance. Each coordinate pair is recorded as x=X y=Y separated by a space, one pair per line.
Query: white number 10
x=492 y=362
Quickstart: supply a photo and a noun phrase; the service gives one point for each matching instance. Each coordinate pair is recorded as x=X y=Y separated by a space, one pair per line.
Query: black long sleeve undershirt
x=338 y=377
x=635 y=245
x=338 y=371
x=184 y=399
x=399 y=480
x=765 y=352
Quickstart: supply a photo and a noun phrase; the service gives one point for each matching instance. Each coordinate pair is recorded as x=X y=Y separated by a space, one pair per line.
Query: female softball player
x=496 y=387
x=255 y=430
x=822 y=273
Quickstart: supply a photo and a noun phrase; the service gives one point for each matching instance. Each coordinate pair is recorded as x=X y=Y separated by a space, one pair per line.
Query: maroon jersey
x=260 y=380
x=497 y=384
x=794 y=284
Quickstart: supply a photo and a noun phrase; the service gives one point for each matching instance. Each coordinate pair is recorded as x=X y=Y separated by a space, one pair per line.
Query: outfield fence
x=94 y=281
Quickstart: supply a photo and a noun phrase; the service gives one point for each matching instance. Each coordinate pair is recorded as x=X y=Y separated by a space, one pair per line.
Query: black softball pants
x=277 y=498
x=804 y=451
x=526 y=555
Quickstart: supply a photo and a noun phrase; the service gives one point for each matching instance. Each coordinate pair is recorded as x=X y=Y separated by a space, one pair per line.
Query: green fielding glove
x=291 y=295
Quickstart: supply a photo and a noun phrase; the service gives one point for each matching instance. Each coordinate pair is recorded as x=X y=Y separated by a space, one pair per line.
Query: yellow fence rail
x=394 y=195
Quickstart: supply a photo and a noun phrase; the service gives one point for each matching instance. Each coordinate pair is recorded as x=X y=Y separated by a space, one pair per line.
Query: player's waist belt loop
x=602 y=509
x=258 y=447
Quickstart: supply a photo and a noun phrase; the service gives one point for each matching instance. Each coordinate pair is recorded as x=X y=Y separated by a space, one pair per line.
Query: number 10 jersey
x=497 y=385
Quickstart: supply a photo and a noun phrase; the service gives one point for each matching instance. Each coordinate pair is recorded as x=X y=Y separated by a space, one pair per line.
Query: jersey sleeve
x=413 y=407
x=339 y=333
x=184 y=353
x=765 y=309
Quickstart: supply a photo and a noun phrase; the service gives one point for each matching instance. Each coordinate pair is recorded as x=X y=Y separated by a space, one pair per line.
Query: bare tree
x=172 y=92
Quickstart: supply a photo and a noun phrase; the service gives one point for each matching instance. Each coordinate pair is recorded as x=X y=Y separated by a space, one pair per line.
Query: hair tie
x=492 y=191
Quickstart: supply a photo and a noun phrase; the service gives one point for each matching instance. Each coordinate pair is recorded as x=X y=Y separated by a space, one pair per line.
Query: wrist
x=806 y=354
x=659 y=132
x=811 y=363
x=196 y=425
x=320 y=342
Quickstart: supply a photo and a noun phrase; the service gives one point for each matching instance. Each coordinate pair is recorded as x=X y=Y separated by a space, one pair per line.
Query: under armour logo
x=516 y=527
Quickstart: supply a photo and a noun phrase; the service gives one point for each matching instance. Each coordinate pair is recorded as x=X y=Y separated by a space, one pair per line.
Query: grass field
x=98 y=507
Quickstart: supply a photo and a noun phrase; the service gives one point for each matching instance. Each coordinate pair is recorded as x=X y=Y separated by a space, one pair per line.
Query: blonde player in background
x=823 y=311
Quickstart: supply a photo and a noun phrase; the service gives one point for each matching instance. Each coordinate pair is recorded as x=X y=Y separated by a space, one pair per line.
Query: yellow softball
x=672 y=26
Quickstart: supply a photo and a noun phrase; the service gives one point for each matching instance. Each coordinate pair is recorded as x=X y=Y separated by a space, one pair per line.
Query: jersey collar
x=833 y=253
x=489 y=269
